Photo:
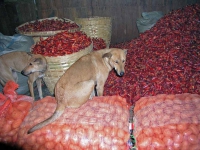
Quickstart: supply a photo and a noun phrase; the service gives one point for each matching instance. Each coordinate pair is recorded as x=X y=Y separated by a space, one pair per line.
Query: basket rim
x=94 y=21
x=63 y=59
x=45 y=33
x=94 y=17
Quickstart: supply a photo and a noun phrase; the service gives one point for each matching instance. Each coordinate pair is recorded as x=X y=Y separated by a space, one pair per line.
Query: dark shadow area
x=9 y=146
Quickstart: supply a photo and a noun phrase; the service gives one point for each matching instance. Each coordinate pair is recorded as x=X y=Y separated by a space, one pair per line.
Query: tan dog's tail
x=58 y=112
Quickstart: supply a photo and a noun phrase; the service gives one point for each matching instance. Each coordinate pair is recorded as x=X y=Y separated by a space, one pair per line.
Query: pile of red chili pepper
x=98 y=43
x=48 y=25
x=62 y=43
x=164 y=59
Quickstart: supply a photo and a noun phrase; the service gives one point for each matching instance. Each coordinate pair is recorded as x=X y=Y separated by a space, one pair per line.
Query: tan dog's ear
x=125 y=51
x=108 y=55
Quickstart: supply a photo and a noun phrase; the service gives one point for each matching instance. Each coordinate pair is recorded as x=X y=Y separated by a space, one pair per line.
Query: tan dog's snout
x=119 y=67
x=23 y=73
x=121 y=74
x=37 y=64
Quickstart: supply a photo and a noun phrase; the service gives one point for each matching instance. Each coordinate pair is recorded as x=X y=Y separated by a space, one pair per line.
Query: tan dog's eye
x=30 y=64
x=123 y=61
x=116 y=62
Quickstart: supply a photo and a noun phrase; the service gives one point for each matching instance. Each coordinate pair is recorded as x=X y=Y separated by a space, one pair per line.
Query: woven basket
x=45 y=34
x=58 y=65
x=97 y=27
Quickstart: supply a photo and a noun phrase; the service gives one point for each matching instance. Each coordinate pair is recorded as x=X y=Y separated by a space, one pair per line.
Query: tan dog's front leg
x=30 y=85
x=100 y=88
x=100 y=91
x=39 y=87
x=31 y=79
x=92 y=94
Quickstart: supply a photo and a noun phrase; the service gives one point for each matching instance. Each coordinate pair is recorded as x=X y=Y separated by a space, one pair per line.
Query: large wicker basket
x=58 y=65
x=45 y=34
x=97 y=27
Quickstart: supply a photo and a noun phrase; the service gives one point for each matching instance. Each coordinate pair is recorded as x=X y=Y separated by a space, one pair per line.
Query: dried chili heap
x=164 y=59
x=98 y=43
x=48 y=25
x=62 y=43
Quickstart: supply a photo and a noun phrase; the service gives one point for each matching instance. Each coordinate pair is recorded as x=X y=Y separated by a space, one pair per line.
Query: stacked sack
x=13 y=110
x=168 y=122
x=99 y=124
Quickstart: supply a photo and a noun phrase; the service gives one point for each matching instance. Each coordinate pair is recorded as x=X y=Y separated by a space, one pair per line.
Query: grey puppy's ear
x=29 y=53
x=108 y=55
x=39 y=60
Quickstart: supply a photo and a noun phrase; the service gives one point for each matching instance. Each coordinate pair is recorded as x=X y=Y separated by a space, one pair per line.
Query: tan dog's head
x=116 y=59
x=37 y=63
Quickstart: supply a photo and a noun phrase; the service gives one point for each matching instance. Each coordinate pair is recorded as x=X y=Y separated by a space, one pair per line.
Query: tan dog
x=79 y=82
x=28 y=64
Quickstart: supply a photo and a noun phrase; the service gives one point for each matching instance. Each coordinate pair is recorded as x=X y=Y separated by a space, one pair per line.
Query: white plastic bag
x=148 y=20
x=13 y=43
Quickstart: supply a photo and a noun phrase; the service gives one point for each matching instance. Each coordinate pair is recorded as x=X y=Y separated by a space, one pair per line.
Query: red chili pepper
x=62 y=43
x=98 y=43
x=48 y=25
x=164 y=59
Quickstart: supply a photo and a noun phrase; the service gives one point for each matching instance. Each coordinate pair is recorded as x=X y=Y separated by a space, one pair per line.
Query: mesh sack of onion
x=13 y=110
x=167 y=122
x=101 y=123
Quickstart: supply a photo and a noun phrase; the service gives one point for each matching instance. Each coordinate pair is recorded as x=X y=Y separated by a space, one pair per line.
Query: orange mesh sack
x=13 y=110
x=168 y=122
x=99 y=124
